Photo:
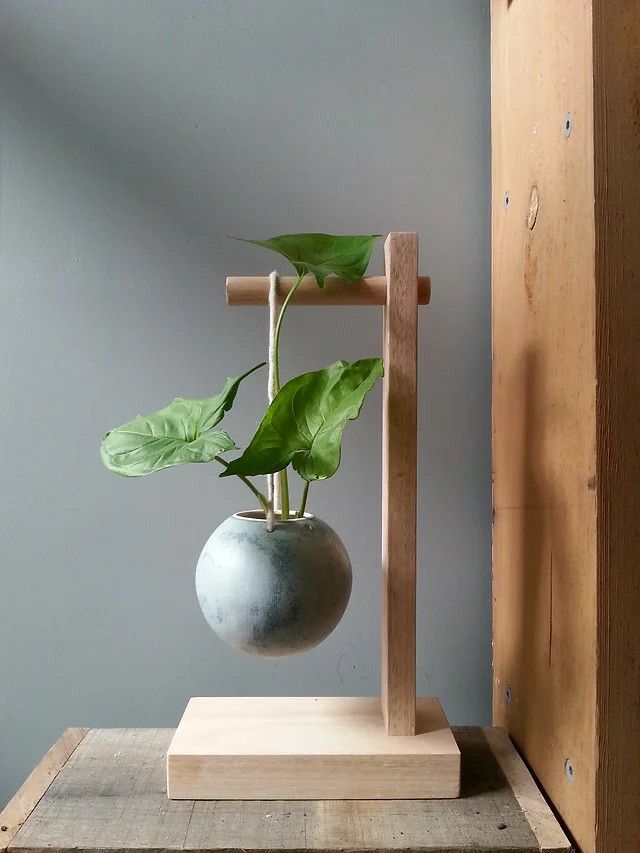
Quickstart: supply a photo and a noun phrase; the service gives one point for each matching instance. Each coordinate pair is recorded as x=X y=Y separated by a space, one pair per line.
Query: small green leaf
x=323 y=254
x=181 y=432
x=304 y=423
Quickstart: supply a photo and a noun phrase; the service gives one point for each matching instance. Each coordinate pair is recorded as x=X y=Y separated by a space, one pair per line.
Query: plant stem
x=284 y=494
x=276 y=339
x=264 y=503
x=284 y=480
x=303 y=502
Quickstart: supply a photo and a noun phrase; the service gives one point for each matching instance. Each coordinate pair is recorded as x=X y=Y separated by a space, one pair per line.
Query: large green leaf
x=304 y=423
x=181 y=432
x=323 y=254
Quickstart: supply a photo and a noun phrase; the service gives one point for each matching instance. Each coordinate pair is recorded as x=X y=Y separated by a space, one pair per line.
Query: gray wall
x=136 y=134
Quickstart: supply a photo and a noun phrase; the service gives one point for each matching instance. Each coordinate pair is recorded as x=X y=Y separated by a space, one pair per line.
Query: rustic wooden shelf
x=101 y=790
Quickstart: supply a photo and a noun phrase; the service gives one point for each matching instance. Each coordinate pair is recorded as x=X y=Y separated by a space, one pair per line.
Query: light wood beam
x=254 y=290
x=399 y=483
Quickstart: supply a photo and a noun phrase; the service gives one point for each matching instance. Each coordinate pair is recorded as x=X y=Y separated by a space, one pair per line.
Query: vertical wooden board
x=544 y=385
x=399 y=440
x=616 y=40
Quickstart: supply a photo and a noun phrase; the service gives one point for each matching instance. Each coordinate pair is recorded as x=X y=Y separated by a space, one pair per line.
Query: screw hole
x=567 y=125
x=507 y=694
x=507 y=200
x=569 y=769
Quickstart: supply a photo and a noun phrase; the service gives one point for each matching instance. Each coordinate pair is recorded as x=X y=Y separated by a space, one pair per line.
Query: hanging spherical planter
x=273 y=593
x=270 y=582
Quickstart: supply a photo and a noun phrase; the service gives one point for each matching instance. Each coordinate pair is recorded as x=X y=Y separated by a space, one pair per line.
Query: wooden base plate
x=303 y=748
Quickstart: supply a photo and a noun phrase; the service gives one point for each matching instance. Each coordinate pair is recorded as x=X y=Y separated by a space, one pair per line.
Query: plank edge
x=538 y=814
x=21 y=805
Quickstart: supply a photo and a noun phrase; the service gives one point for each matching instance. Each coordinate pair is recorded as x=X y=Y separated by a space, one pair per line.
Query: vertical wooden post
x=399 y=428
x=566 y=392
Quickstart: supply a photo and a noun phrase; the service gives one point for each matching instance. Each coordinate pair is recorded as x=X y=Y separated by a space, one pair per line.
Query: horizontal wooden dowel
x=254 y=290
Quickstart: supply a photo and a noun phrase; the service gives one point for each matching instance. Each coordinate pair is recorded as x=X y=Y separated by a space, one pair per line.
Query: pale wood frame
x=392 y=747
x=400 y=291
x=340 y=747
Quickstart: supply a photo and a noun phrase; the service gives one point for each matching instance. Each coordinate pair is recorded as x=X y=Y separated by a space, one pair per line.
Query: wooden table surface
x=104 y=790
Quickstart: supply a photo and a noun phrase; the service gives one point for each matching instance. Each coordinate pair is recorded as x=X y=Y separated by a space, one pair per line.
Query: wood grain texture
x=110 y=796
x=566 y=423
x=35 y=785
x=545 y=827
x=399 y=484
x=544 y=384
x=372 y=290
x=301 y=748
x=616 y=60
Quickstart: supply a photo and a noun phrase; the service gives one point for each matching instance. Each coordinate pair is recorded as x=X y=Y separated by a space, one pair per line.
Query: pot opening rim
x=260 y=515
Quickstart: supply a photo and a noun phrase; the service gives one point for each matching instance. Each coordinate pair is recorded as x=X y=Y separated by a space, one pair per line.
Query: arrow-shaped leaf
x=304 y=423
x=181 y=432
x=323 y=254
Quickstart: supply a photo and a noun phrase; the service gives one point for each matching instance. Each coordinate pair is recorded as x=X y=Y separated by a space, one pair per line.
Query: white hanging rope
x=273 y=481
x=273 y=319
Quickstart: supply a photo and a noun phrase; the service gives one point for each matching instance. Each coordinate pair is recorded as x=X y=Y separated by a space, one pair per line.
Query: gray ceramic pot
x=275 y=593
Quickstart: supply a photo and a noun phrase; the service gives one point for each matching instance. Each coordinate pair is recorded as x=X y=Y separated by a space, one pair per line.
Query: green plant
x=303 y=424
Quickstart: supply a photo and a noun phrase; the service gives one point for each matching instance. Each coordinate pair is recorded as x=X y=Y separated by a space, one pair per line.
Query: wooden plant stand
x=342 y=748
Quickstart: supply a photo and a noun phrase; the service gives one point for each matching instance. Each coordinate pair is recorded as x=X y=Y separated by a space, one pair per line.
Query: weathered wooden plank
x=110 y=796
x=250 y=825
x=545 y=827
x=27 y=797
